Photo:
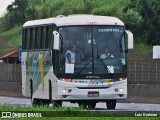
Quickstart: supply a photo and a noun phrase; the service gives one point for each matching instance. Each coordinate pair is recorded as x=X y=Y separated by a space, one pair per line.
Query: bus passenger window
x=27 y=38
x=24 y=39
x=33 y=38
x=44 y=38
x=41 y=38
x=38 y=38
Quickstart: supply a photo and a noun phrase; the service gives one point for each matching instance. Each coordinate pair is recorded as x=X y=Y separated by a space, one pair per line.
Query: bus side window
x=30 y=38
x=27 y=38
x=44 y=38
x=33 y=38
x=24 y=39
x=38 y=40
x=47 y=37
x=49 y=31
x=50 y=36
x=41 y=38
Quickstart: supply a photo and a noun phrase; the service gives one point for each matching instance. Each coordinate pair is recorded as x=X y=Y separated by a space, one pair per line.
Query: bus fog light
x=120 y=95
x=64 y=90
x=120 y=89
x=116 y=90
x=70 y=90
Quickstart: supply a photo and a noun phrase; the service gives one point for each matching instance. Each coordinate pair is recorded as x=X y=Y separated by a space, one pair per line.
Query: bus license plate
x=93 y=94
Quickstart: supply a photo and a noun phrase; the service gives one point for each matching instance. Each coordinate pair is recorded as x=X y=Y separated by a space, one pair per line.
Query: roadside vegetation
x=141 y=17
x=10 y=40
x=67 y=113
x=15 y=35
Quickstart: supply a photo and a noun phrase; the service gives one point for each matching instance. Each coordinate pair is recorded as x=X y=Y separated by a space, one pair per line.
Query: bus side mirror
x=56 y=43
x=130 y=39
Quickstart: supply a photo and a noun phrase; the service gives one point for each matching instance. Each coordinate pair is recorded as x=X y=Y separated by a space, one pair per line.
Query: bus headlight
x=120 y=89
x=120 y=79
x=66 y=80
x=64 y=90
x=70 y=90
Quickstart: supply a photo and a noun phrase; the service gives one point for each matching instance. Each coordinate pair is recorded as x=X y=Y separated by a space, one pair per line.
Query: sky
x=3 y=6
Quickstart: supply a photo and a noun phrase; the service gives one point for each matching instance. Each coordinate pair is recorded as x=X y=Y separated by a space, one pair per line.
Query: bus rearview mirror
x=56 y=43
x=130 y=39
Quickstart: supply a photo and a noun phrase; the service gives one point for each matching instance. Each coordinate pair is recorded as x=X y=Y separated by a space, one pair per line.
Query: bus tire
x=92 y=105
x=111 y=104
x=40 y=102
x=57 y=103
x=82 y=104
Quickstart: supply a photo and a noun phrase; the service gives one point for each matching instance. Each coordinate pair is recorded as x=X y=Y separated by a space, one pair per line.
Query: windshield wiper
x=103 y=63
x=83 y=68
x=105 y=66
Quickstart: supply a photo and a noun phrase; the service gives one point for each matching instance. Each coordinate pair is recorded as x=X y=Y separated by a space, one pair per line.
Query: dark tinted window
x=24 y=39
x=27 y=40
x=37 y=37
x=33 y=33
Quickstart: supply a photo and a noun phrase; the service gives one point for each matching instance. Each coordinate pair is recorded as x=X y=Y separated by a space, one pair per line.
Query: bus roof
x=39 y=22
x=76 y=20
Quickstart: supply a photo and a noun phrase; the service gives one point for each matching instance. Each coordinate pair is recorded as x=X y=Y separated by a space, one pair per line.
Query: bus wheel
x=82 y=104
x=57 y=103
x=40 y=102
x=111 y=104
x=92 y=105
x=35 y=103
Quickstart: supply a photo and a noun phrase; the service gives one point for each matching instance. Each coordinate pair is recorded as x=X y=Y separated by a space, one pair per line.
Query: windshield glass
x=92 y=50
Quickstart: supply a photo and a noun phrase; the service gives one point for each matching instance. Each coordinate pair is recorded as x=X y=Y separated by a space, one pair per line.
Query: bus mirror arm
x=56 y=42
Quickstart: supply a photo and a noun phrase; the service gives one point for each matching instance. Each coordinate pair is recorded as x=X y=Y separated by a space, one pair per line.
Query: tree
x=18 y=8
x=150 y=11
x=145 y=20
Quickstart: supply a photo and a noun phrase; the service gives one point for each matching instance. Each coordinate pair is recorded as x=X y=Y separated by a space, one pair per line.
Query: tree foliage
x=142 y=17
x=151 y=13
x=147 y=20
x=15 y=15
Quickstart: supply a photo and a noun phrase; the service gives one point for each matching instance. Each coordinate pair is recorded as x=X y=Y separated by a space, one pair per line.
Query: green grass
x=91 y=118
x=14 y=35
x=12 y=32
x=142 y=48
x=73 y=111
x=39 y=108
x=16 y=40
x=10 y=40
x=140 y=51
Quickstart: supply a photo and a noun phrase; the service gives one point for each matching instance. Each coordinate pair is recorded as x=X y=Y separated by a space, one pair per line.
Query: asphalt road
x=99 y=106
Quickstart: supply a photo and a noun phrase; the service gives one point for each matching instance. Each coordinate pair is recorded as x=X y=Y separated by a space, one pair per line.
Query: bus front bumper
x=67 y=94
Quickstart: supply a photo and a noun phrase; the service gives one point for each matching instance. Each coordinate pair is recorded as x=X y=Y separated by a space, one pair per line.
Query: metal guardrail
x=10 y=72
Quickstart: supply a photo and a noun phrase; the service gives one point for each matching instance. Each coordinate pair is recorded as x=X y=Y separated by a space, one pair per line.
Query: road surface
x=99 y=106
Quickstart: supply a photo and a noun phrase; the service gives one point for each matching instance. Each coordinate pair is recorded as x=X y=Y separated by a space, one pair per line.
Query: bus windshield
x=92 y=50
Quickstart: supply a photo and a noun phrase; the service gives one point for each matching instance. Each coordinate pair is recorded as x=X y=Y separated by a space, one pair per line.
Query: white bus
x=93 y=78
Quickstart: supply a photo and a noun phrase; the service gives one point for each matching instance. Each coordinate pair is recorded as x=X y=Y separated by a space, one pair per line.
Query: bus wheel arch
x=31 y=89
x=111 y=104
x=57 y=103
x=92 y=105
